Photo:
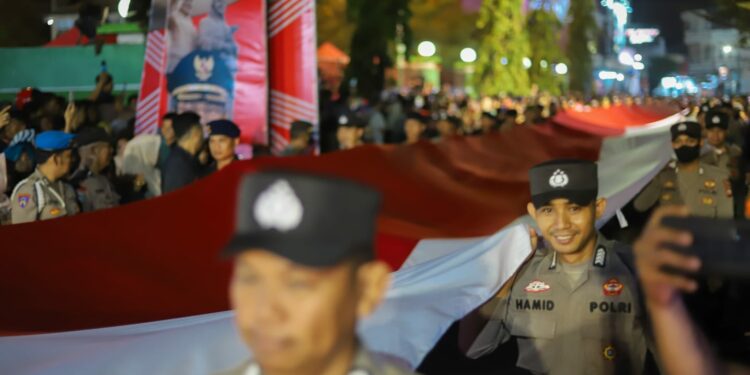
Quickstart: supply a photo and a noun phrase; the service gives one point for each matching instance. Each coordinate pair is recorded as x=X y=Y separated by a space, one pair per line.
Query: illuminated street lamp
x=123 y=7
x=561 y=69
x=468 y=55
x=526 y=62
x=727 y=49
x=426 y=49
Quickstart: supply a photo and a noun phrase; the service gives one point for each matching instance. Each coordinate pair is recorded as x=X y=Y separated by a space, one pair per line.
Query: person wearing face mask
x=703 y=188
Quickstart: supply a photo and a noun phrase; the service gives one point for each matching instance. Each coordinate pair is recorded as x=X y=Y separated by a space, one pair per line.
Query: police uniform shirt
x=36 y=198
x=706 y=192
x=727 y=158
x=365 y=363
x=97 y=193
x=568 y=322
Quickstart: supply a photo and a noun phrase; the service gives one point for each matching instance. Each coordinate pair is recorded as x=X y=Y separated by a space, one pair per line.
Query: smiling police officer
x=304 y=273
x=573 y=307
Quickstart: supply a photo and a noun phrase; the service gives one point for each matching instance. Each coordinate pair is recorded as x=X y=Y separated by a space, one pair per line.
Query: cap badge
x=204 y=67
x=559 y=179
x=609 y=353
x=715 y=119
x=682 y=128
x=343 y=120
x=278 y=207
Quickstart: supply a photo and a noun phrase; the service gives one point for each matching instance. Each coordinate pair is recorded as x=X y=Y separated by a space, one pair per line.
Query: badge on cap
x=204 y=67
x=559 y=179
x=537 y=286
x=609 y=352
x=716 y=120
x=278 y=207
x=343 y=120
x=612 y=288
x=682 y=128
x=23 y=200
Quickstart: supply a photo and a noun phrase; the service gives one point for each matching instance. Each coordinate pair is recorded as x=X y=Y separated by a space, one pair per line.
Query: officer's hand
x=4 y=117
x=652 y=255
x=534 y=238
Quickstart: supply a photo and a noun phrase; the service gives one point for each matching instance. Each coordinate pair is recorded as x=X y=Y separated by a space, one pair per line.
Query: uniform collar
x=364 y=364
x=673 y=165
x=602 y=251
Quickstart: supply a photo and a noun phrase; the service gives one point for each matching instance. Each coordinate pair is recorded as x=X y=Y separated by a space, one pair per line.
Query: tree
x=332 y=23
x=544 y=35
x=455 y=31
x=581 y=44
x=373 y=42
x=504 y=45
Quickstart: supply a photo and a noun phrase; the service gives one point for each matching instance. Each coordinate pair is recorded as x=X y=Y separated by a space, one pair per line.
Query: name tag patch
x=535 y=305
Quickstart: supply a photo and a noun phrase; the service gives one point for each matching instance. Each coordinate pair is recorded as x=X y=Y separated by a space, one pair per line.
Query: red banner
x=207 y=56
x=294 y=95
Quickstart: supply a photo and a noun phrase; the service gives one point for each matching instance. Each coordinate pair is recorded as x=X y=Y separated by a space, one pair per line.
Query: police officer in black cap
x=223 y=139
x=705 y=189
x=305 y=272
x=720 y=153
x=574 y=306
x=95 y=190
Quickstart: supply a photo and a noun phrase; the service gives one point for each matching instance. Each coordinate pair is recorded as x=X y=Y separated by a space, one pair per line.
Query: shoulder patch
x=23 y=200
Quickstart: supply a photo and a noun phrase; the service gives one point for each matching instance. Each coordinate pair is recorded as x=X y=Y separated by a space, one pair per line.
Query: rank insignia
x=708 y=201
x=609 y=353
x=666 y=197
x=710 y=184
x=669 y=184
x=537 y=286
x=23 y=200
x=612 y=287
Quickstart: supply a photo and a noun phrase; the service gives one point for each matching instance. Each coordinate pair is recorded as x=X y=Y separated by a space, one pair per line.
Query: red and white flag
x=141 y=289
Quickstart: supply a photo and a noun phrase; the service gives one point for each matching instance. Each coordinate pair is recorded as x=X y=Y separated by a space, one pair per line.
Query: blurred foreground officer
x=44 y=195
x=299 y=286
x=574 y=306
x=703 y=188
x=725 y=155
x=222 y=143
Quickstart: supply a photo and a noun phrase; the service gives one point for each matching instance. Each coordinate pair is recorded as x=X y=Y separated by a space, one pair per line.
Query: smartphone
x=723 y=245
x=71 y=97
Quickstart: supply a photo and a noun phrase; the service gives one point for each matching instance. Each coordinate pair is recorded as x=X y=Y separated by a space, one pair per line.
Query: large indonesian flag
x=140 y=289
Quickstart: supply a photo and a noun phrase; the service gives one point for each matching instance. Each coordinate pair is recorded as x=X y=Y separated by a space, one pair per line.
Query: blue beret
x=201 y=76
x=224 y=127
x=54 y=140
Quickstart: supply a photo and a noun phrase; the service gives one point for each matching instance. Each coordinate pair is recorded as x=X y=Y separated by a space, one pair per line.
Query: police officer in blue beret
x=223 y=139
x=44 y=195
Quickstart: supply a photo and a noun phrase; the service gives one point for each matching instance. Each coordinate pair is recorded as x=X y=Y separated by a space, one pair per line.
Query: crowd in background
x=132 y=168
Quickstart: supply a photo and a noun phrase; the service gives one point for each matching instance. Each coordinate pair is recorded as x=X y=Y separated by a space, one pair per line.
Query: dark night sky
x=665 y=14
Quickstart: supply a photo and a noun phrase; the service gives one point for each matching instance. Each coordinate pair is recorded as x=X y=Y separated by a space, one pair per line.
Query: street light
x=426 y=49
x=468 y=55
x=638 y=57
x=639 y=66
x=526 y=62
x=561 y=69
x=50 y=21
x=727 y=49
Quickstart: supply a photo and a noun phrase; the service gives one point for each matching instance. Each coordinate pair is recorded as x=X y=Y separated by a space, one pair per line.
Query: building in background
x=715 y=55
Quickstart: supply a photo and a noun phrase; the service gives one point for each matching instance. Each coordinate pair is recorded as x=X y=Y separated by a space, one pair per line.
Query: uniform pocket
x=611 y=352
x=535 y=335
